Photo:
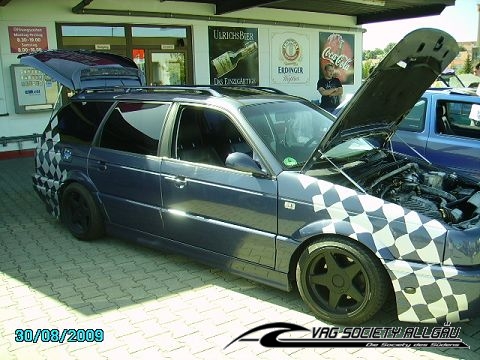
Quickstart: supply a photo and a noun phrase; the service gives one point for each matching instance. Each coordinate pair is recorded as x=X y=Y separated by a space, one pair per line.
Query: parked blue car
x=268 y=185
x=439 y=129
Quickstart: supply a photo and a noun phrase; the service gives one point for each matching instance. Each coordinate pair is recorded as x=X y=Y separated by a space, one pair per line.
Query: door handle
x=101 y=166
x=179 y=181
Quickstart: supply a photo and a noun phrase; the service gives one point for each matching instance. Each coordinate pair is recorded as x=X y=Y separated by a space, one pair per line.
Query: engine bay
x=417 y=186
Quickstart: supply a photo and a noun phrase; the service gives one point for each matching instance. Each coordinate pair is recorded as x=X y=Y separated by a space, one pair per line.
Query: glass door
x=167 y=68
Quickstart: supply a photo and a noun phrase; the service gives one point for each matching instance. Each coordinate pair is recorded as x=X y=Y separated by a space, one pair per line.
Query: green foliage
x=367 y=67
x=373 y=54
x=389 y=47
x=377 y=54
x=467 y=66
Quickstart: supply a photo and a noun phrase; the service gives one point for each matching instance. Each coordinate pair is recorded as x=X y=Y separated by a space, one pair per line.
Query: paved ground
x=151 y=305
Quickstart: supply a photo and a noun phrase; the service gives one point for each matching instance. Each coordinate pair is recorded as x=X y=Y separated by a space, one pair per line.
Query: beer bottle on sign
x=228 y=61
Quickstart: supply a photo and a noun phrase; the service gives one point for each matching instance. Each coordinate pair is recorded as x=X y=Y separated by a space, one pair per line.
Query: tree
x=367 y=67
x=377 y=53
x=373 y=54
x=389 y=47
x=467 y=66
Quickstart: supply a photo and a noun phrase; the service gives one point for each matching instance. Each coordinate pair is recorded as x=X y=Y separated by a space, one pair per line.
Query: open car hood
x=392 y=89
x=82 y=69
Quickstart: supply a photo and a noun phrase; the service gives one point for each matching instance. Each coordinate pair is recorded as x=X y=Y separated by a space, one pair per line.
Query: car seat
x=443 y=124
x=191 y=145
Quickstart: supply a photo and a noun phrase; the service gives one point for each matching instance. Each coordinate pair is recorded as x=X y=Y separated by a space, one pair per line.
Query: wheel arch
x=76 y=176
x=319 y=230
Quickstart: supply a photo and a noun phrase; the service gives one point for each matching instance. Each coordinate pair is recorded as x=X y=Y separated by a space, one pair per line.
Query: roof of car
x=452 y=91
x=171 y=93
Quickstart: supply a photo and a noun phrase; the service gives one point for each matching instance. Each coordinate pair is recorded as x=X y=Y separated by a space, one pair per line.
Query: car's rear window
x=78 y=121
x=134 y=127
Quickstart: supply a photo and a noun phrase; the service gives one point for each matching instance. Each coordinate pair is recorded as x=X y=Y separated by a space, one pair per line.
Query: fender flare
x=81 y=178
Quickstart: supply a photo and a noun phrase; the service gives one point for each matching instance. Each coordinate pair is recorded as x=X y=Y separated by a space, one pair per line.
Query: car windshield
x=350 y=148
x=292 y=130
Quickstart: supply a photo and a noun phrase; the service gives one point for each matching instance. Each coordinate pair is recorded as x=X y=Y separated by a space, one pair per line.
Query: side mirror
x=242 y=162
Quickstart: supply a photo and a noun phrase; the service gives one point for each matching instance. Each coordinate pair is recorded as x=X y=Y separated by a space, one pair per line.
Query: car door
x=413 y=130
x=209 y=206
x=454 y=141
x=125 y=168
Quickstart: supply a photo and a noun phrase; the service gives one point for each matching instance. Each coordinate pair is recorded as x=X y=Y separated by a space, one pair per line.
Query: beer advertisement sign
x=290 y=58
x=233 y=55
x=338 y=49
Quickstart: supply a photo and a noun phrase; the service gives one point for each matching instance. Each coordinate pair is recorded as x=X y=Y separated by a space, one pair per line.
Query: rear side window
x=458 y=119
x=415 y=119
x=134 y=127
x=78 y=122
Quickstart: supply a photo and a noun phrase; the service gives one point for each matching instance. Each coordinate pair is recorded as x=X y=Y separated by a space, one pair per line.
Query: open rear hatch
x=82 y=69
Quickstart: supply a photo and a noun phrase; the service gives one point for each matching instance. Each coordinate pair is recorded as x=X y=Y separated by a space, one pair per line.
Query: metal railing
x=5 y=140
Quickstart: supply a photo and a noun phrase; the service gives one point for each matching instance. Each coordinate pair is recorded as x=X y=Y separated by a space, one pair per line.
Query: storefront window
x=160 y=32
x=108 y=31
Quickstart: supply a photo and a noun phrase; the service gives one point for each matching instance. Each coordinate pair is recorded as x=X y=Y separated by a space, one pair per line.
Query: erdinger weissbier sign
x=338 y=49
x=290 y=58
x=233 y=53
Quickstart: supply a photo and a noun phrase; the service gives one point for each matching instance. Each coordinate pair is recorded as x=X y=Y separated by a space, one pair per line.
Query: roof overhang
x=365 y=11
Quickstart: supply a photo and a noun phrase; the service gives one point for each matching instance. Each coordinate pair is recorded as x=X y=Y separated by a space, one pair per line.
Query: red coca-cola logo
x=339 y=53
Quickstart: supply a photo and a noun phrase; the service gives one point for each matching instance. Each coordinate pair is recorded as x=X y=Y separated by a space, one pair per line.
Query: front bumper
x=435 y=293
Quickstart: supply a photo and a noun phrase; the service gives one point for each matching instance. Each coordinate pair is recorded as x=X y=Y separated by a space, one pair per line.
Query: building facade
x=174 y=43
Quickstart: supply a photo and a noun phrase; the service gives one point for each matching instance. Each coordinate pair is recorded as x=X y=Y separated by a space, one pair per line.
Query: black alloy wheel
x=80 y=213
x=341 y=281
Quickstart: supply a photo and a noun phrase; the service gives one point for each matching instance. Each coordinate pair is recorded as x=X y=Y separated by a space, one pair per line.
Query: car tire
x=80 y=213
x=341 y=281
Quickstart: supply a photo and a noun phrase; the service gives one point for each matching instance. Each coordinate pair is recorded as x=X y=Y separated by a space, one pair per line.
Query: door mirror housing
x=243 y=162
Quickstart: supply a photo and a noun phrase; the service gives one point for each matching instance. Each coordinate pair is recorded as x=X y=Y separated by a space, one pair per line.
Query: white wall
x=46 y=13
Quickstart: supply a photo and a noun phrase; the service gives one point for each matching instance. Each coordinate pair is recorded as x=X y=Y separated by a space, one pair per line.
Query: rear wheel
x=80 y=213
x=341 y=281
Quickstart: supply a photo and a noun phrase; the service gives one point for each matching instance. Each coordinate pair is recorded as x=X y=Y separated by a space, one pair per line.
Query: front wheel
x=341 y=281
x=80 y=213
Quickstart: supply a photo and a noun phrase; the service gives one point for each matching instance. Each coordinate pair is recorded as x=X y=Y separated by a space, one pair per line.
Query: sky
x=460 y=21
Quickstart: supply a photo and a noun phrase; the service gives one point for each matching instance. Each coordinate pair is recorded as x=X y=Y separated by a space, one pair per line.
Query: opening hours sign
x=24 y=39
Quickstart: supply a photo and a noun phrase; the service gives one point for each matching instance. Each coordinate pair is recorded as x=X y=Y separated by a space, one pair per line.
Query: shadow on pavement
x=108 y=274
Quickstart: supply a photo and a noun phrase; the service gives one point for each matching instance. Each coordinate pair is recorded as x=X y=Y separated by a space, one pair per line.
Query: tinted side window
x=207 y=136
x=415 y=119
x=459 y=113
x=134 y=127
x=78 y=122
x=457 y=119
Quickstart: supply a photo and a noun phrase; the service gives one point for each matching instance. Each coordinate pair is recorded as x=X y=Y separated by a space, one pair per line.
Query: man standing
x=475 y=109
x=330 y=88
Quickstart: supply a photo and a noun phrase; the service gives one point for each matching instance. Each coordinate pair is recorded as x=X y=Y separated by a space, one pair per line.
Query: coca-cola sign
x=338 y=50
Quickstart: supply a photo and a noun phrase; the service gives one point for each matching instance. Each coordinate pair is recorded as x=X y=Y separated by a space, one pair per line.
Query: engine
x=437 y=194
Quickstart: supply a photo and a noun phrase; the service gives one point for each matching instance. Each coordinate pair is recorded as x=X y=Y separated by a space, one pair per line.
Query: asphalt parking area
x=149 y=304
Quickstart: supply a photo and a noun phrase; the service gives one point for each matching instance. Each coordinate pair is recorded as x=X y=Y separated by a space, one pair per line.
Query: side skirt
x=236 y=266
